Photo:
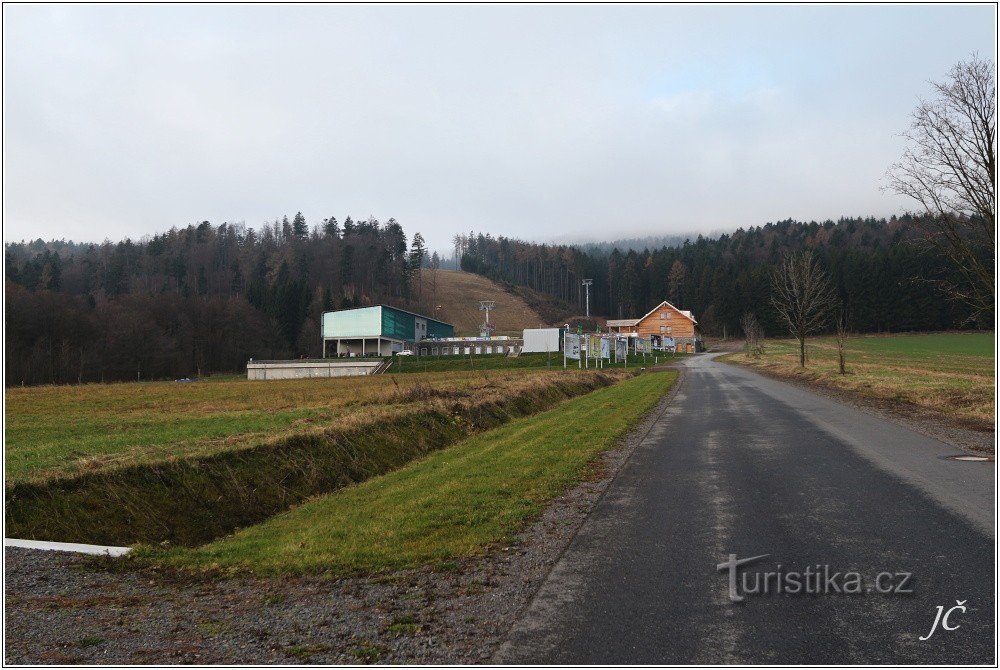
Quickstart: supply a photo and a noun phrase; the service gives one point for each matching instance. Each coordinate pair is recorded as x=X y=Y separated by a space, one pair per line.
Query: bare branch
x=949 y=169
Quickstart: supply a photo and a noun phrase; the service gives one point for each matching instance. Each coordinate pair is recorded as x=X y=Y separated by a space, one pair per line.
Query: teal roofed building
x=380 y=330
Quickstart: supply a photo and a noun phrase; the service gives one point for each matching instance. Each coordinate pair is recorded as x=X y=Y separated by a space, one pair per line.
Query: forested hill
x=882 y=269
x=200 y=298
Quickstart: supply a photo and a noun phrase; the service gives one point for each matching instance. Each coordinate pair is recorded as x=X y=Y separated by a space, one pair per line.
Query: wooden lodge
x=666 y=325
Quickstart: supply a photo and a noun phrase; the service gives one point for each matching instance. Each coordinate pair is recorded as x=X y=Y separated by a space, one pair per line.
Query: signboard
x=571 y=346
x=541 y=340
x=621 y=349
x=641 y=346
x=594 y=348
x=605 y=348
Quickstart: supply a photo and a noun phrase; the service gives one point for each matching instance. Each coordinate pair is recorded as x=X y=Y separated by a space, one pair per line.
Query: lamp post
x=586 y=285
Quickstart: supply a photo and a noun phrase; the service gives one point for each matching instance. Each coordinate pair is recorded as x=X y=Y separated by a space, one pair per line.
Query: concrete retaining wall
x=259 y=370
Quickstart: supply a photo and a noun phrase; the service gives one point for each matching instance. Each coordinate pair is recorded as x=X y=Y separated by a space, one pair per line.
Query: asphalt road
x=745 y=465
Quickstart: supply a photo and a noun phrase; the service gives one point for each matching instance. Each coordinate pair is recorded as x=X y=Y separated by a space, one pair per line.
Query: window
x=669 y=329
x=669 y=314
x=663 y=315
x=663 y=329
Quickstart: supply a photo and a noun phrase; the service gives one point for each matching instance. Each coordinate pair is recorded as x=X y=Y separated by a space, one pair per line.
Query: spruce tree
x=299 y=227
x=331 y=228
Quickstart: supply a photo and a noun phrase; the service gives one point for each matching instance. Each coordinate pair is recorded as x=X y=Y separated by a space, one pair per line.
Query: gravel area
x=60 y=608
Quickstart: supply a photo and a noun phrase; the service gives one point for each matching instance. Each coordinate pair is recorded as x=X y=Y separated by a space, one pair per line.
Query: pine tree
x=417 y=254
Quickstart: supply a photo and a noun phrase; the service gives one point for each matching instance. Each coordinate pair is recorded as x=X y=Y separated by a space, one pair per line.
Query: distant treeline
x=883 y=270
x=198 y=299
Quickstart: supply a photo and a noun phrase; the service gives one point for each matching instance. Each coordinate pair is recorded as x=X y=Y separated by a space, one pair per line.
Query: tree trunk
x=802 y=352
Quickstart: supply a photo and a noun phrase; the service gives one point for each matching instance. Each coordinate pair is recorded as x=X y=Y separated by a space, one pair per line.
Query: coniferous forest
x=207 y=298
x=886 y=275
x=198 y=299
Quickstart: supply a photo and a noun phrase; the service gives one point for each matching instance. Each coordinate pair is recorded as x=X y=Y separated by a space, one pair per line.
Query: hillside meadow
x=458 y=294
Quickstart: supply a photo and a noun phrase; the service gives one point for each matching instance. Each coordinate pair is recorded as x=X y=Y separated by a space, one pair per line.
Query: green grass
x=944 y=373
x=939 y=348
x=57 y=431
x=453 y=503
x=194 y=499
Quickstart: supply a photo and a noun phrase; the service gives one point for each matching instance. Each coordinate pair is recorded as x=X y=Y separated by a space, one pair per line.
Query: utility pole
x=487 y=306
x=586 y=285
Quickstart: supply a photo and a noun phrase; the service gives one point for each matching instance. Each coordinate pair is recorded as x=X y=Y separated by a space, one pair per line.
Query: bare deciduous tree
x=802 y=297
x=753 y=334
x=950 y=170
x=842 y=321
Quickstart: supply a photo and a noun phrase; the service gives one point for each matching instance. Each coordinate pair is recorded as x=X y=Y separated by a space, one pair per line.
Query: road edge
x=617 y=457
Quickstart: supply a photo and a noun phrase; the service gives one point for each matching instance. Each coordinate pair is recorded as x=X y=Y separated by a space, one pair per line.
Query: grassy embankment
x=949 y=374
x=186 y=463
x=453 y=503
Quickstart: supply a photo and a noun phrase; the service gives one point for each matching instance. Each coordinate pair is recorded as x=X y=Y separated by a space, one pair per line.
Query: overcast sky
x=550 y=122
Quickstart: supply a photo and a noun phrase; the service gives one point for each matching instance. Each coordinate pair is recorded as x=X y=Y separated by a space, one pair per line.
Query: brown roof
x=684 y=312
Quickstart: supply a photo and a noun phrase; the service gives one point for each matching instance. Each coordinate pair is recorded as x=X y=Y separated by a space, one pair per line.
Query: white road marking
x=66 y=546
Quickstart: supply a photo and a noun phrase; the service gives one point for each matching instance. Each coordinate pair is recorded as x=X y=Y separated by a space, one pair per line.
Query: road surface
x=746 y=465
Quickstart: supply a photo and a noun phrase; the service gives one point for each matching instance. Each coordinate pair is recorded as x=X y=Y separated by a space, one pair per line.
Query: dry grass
x=459 y=294
x=57 y=431
x=949 y=375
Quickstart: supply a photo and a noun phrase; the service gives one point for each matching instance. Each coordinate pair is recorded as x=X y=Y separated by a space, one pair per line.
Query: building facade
x=469 y=346
x=664 y=324
x=379 y=330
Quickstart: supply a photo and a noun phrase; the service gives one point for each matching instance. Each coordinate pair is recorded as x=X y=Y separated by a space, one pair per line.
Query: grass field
x=947 y=373
x=409 y=364
x=57 y=431
x=452 y=503
x=188 y=491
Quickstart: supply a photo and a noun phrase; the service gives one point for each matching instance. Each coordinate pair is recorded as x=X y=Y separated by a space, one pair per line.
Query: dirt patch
x=719 y=344
x=460 y=613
